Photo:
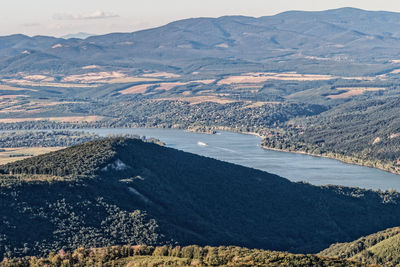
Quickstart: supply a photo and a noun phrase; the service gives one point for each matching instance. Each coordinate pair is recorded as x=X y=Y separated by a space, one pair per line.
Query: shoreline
x=350 y=160
x=347 y=159
x=213 y=130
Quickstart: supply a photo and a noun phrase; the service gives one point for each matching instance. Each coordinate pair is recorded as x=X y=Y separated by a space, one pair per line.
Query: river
x=245 y=150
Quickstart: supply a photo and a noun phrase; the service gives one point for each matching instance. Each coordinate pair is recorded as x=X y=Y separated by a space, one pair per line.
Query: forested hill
x=124 y=191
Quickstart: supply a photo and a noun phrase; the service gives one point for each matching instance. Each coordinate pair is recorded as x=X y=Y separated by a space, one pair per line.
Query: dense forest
x=365 y=133
x=141 y=255
x=45 y=138
x=119 y=191
x=179 y=114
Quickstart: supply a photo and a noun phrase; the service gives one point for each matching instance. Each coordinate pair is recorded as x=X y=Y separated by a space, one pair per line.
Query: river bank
x=342 y=158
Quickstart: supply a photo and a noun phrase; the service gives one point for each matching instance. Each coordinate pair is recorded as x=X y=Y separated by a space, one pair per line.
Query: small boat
x=201 y=144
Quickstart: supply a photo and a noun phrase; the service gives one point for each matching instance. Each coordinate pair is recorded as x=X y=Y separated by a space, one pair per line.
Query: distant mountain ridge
x=342 y=34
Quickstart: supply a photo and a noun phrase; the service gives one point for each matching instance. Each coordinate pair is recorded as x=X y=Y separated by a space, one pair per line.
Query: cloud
x=94 y=15
x=31 y=25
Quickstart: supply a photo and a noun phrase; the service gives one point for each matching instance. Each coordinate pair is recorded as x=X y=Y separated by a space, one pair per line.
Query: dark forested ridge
x=141 y=255
x=125 y=191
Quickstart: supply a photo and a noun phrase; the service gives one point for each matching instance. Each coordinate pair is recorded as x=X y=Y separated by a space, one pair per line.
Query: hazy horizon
x=59 y=18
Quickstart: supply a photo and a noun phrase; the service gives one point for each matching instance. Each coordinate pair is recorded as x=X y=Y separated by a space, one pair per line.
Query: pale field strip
x=34 y=151
x=37 y=77
x=353 y=91
x=47 y=84
x=140 y=89
x=186 y=93
x=89 y=67
x=210 y=81
x=2 y=97
x=259 y=77
x=161 y=75
x=131 y=80
x=105 y=77
x=395 y=135
x=396 y=71
x=137 y=89
x=73 y=119
x=57 y=46
x=91 y=77
x=4 y=87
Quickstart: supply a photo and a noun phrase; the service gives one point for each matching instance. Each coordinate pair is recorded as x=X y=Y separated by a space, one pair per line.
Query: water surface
x=246 y=150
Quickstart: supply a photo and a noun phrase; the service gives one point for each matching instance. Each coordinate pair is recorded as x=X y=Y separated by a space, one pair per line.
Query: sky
x=61 y=17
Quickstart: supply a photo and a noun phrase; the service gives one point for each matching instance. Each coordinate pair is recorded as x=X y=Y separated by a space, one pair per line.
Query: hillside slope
x=379 y=248
x=177 y=256
x=124 y=191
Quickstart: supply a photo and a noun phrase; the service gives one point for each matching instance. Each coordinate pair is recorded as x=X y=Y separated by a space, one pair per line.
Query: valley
x=97 y=136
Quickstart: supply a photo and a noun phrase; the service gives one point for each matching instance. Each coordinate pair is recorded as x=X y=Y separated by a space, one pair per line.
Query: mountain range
x=346 y=34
